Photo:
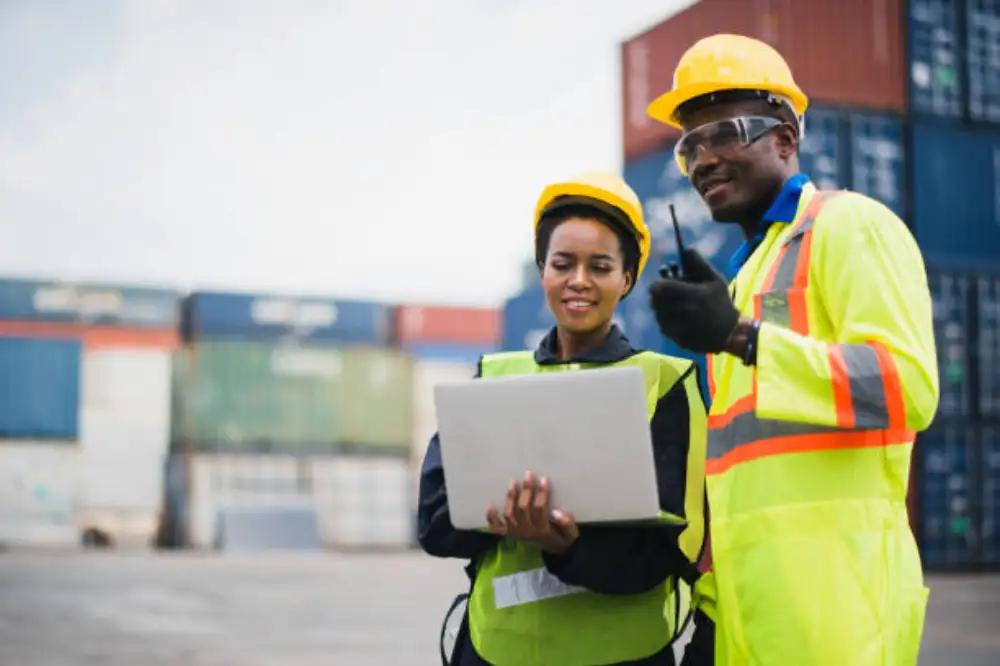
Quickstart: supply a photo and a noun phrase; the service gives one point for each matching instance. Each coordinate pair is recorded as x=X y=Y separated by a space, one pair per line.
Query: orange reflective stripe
x=841 y=380
x=806 y=444
x=709 y=368
x=744 y=405
x=894 y=403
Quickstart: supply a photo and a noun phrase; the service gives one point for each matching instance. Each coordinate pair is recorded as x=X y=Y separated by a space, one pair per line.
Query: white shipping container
x=39 y=483
x=125 y=432
x=364 y=502
x=220 y=482
x=427 y=374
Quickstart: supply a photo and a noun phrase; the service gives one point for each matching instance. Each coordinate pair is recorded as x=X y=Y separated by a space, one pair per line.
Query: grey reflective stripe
x=774 y=308
x=528 y=586
x=747 y=428
x=867 y=388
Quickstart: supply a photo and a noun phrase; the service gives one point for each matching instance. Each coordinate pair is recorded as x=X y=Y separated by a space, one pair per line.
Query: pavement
x=159 y=609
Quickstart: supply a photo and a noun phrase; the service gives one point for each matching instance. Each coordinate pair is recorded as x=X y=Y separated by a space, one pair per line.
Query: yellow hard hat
x=605 y=190
x=727 y=62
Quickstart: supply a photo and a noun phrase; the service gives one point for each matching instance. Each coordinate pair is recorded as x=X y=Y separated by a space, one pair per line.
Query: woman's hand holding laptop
x=528 y=517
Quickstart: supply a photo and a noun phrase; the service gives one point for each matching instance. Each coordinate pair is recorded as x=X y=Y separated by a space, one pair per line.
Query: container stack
x=446 y=344
x=85 y=411
x=904 y=107
x=289 y=411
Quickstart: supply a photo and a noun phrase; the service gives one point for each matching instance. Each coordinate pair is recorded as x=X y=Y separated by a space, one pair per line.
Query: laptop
x=587 y=430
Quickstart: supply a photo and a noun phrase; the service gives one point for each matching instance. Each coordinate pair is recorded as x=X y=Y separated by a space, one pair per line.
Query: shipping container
x=822 y=153
x=364 y=502
x=216 y=484
x=982 y=49
x=990 y=536
x=267 y=318
x=847 y=52
x=125 y=431
x=100 y=304
x=426 y=375
x=877 y=152
x=376 y=400
x=935 y=58
x=950 y=293
x=260 y=398
x=454 y=352
x=950 y=517
x=40 y=391
x=988 y=344
x=420 y=324
x=38 y=494
x=526 y=320
x=956 y=231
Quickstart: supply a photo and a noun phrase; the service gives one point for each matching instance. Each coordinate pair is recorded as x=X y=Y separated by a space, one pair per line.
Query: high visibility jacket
x=814 y=563
x=520 y=614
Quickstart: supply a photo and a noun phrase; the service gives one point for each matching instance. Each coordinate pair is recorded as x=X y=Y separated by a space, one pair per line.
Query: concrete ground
x=121 y=609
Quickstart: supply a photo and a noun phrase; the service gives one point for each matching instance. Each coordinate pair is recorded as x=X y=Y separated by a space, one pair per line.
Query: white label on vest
x=529 y=586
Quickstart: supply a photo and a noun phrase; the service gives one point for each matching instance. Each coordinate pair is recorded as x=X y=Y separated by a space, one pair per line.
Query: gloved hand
x=694 y=310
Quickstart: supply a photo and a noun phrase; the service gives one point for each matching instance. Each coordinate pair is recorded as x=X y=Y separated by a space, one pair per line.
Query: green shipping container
x=259 y=398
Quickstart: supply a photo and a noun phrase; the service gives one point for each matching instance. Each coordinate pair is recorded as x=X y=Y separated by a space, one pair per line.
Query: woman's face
x=583 y=275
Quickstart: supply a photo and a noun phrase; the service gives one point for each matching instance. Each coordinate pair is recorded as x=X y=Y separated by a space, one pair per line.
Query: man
x=822 y=369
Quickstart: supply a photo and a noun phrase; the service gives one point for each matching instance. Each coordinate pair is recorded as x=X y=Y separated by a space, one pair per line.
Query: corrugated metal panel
x=822 y=154
x=364 y=502
x=40 y=300
x=223 y=482
x=261 y=317
x=38 y=494
x=877 y=155
x=982 y=34
x=950 y=299
x=949 y=496
x=526 y=320
x=841 y=51
x=935 y=58
x=990 y=533
x=257 y=398
x=376 y=400
x=125 y=430
x=40 y=391
x=988 y=344
x=417 y=324
x=958 y=231
x=658 y=183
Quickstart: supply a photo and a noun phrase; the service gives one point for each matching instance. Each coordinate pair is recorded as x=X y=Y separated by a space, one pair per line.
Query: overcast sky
x=358 y=148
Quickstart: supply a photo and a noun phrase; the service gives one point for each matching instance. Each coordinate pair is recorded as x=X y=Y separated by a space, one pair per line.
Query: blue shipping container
x=935 y=58
x=982 y=57
x=949 y=520
x=955 y=206
x=950 y=300
x=40 y=390
x=988 y=344
x=990 y=533
x=87 y=303
x=822 y=154
x=262 y=317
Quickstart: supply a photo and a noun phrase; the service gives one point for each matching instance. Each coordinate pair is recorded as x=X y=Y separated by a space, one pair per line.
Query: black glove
x=694 y=309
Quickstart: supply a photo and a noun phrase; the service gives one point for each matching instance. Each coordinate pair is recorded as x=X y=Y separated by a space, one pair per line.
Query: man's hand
x=527 y=517
x=694 y=309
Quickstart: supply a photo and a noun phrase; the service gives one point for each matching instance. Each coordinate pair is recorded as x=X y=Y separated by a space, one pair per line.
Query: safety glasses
x=721 y=136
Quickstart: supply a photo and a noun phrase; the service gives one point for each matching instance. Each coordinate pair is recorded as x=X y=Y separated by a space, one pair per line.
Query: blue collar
x=782 y=210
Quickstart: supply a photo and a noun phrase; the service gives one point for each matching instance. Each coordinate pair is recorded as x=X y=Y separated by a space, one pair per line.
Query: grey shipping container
x=245 y=397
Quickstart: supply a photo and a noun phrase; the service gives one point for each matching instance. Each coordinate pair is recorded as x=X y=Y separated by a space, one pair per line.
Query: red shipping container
x=842 y=52
x=477 y=326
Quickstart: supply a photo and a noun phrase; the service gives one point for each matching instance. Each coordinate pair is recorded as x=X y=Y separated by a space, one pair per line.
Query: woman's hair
x=549 y=222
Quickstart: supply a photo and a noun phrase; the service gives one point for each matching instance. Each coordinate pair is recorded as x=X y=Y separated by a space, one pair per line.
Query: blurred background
x=244 y=240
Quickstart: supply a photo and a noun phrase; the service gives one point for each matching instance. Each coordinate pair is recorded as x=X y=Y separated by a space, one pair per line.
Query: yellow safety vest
x=521 y=615
x=814 y=563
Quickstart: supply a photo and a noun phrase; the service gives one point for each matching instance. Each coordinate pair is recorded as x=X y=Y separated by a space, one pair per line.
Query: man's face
x=736 y=179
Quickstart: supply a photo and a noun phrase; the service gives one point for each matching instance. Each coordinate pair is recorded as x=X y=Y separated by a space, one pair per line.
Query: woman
x=587 y=594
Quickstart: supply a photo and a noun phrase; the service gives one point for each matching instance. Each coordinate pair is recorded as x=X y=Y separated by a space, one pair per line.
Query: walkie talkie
x=674 y=269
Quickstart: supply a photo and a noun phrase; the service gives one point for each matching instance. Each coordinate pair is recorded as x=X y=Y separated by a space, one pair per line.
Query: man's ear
x=786 y=140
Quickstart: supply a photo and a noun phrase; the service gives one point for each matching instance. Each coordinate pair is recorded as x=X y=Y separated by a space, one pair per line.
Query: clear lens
x=721 y=136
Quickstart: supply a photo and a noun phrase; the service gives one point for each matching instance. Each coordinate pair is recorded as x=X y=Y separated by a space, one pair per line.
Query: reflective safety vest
x=813 y=560
x=522 y=615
